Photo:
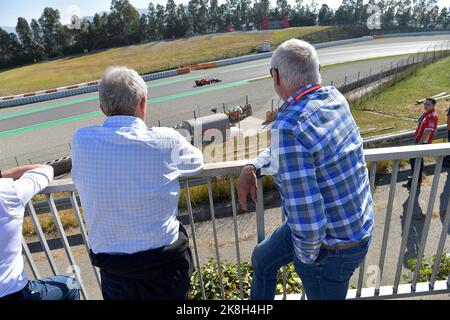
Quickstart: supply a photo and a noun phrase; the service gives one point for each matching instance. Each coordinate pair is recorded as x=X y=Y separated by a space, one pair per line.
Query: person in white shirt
x=17 y=187
x=127 y=178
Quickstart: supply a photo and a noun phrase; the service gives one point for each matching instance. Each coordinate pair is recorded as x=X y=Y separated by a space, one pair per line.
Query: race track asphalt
x=42 y=131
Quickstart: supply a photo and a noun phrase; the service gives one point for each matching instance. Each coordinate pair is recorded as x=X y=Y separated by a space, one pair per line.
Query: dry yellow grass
x=145 y=58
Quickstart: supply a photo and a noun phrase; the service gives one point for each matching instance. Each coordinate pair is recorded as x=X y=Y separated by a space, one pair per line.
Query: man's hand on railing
x=247 y=184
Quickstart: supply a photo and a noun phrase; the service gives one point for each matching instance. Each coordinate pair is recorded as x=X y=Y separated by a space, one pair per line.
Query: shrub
x=230 y=279
x=427 y=268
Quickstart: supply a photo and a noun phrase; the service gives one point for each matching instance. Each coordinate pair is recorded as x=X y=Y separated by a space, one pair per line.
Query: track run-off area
x=42 y=127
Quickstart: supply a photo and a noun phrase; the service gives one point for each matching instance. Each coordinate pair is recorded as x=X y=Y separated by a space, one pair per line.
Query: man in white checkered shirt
x=127 y=178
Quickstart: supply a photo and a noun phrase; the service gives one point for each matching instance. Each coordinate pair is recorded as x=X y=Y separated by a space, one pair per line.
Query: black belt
x=343 y=246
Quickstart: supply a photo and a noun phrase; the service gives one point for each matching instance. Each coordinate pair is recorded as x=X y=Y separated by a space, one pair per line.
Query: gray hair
x=121 y=90
x=297 y=64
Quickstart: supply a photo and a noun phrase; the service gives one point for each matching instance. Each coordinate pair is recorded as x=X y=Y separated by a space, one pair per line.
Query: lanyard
x=301 y=93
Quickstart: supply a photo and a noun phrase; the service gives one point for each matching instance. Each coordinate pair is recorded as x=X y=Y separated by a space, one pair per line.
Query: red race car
x=206 y=81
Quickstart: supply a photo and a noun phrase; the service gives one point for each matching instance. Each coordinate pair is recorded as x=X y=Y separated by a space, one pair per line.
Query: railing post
x=65 y=243
x=30 y=260
x=426 y=225
x=260 y=227
x=194 y=238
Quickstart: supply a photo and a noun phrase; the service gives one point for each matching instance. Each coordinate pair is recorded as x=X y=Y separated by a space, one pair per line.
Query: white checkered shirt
x=127 y=178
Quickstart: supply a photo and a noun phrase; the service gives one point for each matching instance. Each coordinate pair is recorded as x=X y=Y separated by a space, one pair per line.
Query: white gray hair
x=297 y=64
x=120 y=90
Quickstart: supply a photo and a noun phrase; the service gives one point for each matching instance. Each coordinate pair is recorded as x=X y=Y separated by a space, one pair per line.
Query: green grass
x=145 y=58
x=399 y=99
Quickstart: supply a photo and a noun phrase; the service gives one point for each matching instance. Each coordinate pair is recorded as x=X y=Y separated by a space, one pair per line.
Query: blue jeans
x=52 y=288
x=325 y=279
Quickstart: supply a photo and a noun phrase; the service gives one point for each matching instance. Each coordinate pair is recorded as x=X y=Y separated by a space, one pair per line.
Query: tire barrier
x=183 y=70
x=401 y=139
x=61 y=166
x=206 y=65
x=52 y=94
x=160 y=75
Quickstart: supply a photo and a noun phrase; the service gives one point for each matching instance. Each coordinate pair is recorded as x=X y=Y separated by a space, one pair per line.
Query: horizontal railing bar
x=408 y=152
x=387 y=292
x=235 y=167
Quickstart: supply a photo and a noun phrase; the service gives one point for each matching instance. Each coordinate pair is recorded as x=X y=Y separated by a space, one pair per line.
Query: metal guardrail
x=231 y=170
x=402 y=138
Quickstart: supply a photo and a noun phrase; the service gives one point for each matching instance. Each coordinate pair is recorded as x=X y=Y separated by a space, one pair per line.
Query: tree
x=202 y=17
x=345 y=13
x=123 y=22
x=26 y=39
x=404 y=13
x=325 y=16
x=10 y=49
x=184 y=23
x=142 y=34
x=215 y=18
x=160 y=21
x=261 y=10
x=303 y=15
x=54 y=36
x=444 y=19
x=172 y=21
x=38 y=38
x=283 y=9
x=152 y=27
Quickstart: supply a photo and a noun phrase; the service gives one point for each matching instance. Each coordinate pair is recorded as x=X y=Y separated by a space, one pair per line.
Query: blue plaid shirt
x=317 y=159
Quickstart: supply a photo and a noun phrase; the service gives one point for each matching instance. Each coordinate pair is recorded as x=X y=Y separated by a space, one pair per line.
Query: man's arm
x=33 y=181
x=188 y=159
x=303 y=201
x=262 y=160
x=16 y=173
x=248 y=181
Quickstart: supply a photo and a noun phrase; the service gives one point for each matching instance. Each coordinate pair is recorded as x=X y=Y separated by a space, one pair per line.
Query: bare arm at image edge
x=32 y=182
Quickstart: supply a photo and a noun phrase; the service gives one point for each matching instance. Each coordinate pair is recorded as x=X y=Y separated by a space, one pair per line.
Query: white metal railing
x=231 y=170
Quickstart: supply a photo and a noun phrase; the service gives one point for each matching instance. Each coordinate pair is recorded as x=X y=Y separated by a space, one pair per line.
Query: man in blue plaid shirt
x=317 y=160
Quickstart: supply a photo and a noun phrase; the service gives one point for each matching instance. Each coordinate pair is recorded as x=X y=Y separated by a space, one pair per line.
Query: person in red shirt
x=425 y=131
x=447 y=159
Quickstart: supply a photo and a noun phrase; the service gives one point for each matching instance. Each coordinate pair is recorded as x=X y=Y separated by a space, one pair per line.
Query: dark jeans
x=326 y=279
x=447 y=158
x=412 y=162
x=52 y=288
x=159 y=274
